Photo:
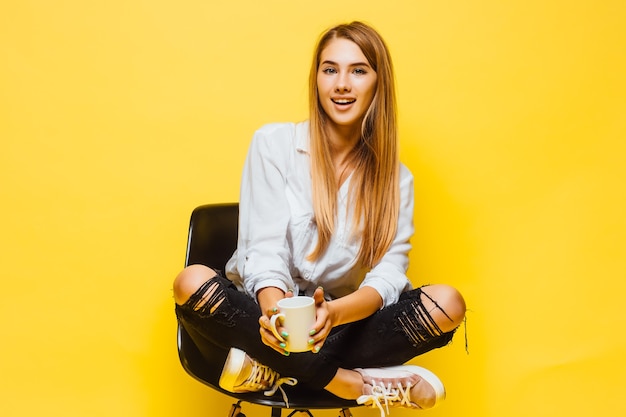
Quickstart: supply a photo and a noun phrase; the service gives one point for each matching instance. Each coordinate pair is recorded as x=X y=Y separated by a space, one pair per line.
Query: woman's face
x=346 y=83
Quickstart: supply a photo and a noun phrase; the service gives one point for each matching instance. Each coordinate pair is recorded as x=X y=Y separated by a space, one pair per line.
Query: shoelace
x=387 y=395
x=262 y=376
x=277 y=385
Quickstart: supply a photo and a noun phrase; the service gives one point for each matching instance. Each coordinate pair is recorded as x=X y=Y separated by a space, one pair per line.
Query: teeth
x=343 y=101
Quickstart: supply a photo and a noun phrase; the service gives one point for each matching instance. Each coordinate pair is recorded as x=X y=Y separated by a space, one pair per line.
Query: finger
x=271 y=311
x=320 y=320
x=266 y=323
x=322 y=333
x=320 y=338
x=266 y=331
x=317 y=347
x=268 y=339
x=318 y=295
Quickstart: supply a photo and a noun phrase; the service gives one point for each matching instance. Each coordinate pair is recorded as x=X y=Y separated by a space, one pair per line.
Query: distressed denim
x=220 y=315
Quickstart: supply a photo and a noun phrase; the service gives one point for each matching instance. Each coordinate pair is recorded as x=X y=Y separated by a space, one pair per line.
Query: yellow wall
x=118 y=117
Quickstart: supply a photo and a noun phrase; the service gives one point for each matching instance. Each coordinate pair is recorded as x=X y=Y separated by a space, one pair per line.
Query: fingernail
x=285 y=334
x=316 y=349
x=321 y=288
x=290 y=290
x=275 y=310
x=283 y=345
x=286 y=353
x=311 y=341
x=312 y=332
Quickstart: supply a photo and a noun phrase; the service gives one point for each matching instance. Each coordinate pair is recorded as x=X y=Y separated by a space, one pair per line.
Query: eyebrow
x=354 y=64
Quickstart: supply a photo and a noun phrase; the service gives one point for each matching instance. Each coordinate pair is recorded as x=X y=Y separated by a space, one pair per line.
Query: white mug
x=298 y=318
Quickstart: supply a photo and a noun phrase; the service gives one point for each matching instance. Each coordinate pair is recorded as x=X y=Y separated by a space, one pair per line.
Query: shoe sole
x=232 y=368
x=426 y=375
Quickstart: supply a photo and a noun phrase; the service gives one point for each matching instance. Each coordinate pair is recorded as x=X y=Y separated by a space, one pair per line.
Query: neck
x=343 y=139
x=342 y=155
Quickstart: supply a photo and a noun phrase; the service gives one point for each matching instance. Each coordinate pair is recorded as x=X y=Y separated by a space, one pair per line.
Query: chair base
x=235 y=411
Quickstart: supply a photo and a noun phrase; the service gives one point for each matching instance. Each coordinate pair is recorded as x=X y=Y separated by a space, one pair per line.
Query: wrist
x=267 y=298
x=333 y=315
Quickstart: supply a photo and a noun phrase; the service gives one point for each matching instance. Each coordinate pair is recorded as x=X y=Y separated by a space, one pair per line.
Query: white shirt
x=277 y=229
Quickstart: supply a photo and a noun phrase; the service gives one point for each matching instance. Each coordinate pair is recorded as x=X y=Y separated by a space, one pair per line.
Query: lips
x=343 y=101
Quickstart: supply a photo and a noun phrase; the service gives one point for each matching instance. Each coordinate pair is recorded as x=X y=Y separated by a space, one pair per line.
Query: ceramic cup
x=297 y=316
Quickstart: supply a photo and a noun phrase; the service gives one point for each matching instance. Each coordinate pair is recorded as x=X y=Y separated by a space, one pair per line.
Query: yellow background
x=118 y=117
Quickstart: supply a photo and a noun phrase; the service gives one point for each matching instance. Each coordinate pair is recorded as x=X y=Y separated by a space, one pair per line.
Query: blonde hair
x=374 y=186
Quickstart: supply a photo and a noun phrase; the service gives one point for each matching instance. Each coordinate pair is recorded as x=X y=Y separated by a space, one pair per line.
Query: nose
x=343 y=83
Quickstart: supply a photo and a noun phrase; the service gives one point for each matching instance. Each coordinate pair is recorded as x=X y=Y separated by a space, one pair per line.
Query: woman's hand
x=268 y=297
x=323 y=323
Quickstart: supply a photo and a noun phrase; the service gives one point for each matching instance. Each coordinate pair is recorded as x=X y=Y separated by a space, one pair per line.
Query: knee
x=448 y=306
x=189 y=280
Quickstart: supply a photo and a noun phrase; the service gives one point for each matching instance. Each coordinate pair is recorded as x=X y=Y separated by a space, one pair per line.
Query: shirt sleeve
x=388 y=277
x=263 y=254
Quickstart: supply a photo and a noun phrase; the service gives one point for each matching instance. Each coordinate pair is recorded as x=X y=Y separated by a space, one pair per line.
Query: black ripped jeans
x=389 y=337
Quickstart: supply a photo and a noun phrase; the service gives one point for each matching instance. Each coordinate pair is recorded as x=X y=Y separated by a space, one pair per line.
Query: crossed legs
x=436 y=310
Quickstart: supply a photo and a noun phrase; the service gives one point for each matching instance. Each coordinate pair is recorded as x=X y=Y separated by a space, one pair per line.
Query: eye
x=329 y=70
x=359 y=71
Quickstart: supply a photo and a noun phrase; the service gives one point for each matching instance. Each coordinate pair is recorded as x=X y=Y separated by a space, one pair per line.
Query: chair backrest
x=212 y=235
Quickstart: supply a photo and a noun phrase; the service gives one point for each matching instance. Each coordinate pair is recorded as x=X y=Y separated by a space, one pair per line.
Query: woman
x=326 y=210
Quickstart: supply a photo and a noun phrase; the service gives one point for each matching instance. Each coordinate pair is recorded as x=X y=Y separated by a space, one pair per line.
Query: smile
x=343 y=101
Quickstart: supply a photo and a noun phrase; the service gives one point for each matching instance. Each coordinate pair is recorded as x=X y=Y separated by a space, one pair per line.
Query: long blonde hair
x=374 y=186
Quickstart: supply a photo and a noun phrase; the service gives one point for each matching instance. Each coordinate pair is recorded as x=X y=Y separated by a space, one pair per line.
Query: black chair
x=211 y=241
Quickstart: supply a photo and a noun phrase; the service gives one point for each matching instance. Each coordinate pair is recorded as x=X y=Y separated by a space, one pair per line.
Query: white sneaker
x=241 y=373
x=407 y=386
